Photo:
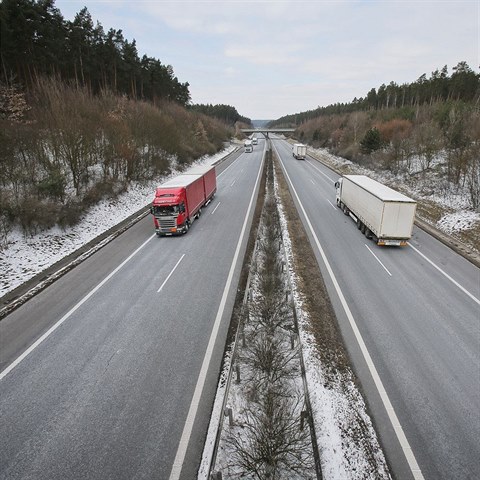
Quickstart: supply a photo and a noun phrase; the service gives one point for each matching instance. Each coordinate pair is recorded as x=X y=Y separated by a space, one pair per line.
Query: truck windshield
x=165 y=210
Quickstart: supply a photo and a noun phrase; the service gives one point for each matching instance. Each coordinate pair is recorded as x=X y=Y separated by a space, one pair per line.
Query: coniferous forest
x=37 y=41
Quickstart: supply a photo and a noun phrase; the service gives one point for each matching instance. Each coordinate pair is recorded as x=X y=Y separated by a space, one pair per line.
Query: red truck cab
x=179 y=201
x=169 y=211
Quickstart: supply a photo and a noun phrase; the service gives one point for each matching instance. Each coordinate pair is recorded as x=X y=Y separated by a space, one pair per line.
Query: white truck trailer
x=248 y=146
x=299 y=151
x=380 y=212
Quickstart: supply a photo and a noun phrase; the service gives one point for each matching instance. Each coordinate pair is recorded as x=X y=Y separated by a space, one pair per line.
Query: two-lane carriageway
x=417 y=311
x=110 y=372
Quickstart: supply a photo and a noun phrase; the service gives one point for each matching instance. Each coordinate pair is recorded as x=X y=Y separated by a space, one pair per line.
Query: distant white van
x=299 y=151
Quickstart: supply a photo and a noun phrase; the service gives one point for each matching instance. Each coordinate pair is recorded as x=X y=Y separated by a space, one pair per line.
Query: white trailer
x=299 y=151
x=380 y=212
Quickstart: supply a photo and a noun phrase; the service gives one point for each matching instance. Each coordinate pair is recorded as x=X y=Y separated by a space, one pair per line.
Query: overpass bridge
x=266 y=131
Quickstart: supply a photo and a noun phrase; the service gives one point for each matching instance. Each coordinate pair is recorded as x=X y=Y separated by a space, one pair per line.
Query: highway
x=121 y=355
x=417 y=310
x=115 y=390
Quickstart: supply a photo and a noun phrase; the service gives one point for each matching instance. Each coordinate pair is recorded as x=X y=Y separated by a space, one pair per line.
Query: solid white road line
x=69 y=313
x=378 y=260
x=407 y=450
x=192 y=412
x=464 y=290
x=170 y=274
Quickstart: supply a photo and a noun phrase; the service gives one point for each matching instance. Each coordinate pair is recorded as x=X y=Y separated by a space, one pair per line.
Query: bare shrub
x=70 y=214
x=271 y=360
x=70 y=116
x=427 y=143
x=35 y=215
x=272 y=444
x=108 y=188
x=473 y=178
x=6 y=219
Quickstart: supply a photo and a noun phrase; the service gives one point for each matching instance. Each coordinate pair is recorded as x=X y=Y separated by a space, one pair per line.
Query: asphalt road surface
x=122 y=354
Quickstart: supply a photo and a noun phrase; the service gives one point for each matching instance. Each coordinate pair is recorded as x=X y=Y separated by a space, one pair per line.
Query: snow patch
x=458 y=221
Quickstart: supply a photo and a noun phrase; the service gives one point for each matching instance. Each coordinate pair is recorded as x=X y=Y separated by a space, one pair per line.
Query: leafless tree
x=272 y=444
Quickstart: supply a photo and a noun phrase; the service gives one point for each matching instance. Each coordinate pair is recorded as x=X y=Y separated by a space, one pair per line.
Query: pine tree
x=372 y=141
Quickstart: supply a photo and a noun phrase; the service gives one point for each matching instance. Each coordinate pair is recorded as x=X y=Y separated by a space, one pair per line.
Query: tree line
x=225 y=113
x=37 y=41
x=462 y=85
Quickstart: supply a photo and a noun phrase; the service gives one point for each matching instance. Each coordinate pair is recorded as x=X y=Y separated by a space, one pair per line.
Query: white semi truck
x=248 y=146
x=380 y=212
x=299 y=151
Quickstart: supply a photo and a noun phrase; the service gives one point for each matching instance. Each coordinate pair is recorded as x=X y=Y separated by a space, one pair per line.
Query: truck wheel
x=345 y=210
x=187 y=226
x=359 y=224
x=362 y=229
x=368 y=233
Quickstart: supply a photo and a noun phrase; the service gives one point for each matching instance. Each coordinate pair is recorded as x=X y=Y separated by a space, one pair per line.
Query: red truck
x=180 y=200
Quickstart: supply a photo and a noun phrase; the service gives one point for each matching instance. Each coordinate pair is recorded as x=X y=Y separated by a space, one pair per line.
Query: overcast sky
x=272 y=58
